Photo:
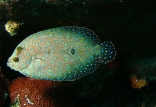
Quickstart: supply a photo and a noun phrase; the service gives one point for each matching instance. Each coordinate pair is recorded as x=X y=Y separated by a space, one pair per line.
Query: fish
x=64 y=53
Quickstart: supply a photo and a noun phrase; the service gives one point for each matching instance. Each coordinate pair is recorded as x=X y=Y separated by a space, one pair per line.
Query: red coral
x=40 y=93
x=4 y=85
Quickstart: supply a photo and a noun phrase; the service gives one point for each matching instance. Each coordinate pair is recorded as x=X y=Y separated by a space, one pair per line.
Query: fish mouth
x=11 y=65
x=17 y=66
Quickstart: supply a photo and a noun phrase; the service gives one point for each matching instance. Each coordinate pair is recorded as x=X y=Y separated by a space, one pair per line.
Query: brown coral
x=138 y=82
x=28 y=92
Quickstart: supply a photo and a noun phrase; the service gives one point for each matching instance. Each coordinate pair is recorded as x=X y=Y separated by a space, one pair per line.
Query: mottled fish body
x=61 y=54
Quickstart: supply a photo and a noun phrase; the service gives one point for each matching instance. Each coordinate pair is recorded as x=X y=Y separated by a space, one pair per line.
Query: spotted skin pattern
x=61 y=54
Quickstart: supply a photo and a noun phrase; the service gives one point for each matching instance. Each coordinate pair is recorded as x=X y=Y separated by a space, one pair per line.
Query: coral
x=142 y=67
x=12 y=27
x=4 y=84
x=138 y=82
x=39 y=93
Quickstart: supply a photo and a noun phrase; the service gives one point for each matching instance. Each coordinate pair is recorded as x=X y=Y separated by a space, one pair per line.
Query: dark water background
x=129 y=24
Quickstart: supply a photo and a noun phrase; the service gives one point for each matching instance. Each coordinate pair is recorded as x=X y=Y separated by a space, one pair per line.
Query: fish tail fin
x=108 y=52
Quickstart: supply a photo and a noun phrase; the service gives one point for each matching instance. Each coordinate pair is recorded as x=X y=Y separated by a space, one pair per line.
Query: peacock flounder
x=61 y=54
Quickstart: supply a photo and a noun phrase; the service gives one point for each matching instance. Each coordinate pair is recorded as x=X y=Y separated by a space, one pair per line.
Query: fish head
x=19 y=60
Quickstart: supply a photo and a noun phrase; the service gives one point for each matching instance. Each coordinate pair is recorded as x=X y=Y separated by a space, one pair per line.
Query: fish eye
x=15 y=59
x=72 y=51
x=19 y=48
